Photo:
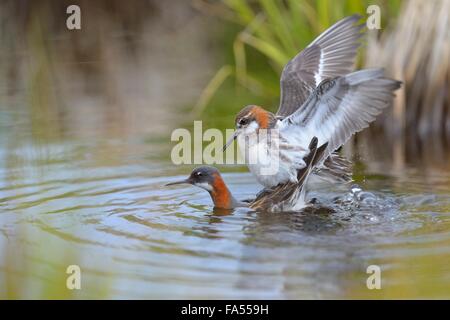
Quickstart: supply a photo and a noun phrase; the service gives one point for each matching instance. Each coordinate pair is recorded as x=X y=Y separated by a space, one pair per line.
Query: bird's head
x=249 y=120
x=204 y=177
x=209 y=178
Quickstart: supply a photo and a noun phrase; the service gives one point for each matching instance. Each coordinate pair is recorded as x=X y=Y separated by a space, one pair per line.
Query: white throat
x=204 y=185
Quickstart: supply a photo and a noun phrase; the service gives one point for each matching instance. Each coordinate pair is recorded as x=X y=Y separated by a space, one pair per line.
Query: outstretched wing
x=340 y=107
x=330 y=55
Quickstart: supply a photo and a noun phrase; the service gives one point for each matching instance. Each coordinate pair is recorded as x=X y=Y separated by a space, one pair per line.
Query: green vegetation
x=269 y=33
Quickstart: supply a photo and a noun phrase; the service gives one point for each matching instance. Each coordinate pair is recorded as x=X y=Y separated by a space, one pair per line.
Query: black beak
x=230 y=141
x=188 y=181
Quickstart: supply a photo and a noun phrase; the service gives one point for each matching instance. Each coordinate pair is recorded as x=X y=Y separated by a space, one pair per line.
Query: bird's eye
x=243 y=121
x=199 y=174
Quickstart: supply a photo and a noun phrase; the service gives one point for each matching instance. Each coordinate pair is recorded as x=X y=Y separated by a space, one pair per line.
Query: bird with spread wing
x=320 y=97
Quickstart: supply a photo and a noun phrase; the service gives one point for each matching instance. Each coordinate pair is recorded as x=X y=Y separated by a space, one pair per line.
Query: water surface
x=134 y=238
x=84 y=154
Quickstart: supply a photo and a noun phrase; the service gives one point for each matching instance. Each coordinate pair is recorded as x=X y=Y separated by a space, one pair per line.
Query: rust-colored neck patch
x=261 y=117
x=265 y=119
x=220 y=194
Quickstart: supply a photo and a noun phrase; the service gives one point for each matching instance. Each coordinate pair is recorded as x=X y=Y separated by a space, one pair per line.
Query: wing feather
x=285 y=196
x=340 y=107
x=330 y=55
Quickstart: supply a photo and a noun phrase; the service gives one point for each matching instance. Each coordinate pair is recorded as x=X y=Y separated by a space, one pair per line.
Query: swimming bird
x=284 y=197
x=319 y=98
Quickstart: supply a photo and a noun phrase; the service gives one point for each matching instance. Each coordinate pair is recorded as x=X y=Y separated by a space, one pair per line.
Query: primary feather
x=330 y=55
x=340 y=107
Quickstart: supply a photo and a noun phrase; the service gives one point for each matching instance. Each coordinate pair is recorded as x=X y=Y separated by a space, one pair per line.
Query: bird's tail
x=335 y=168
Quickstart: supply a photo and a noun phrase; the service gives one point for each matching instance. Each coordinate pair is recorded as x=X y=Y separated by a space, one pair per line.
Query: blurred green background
x=85 y=123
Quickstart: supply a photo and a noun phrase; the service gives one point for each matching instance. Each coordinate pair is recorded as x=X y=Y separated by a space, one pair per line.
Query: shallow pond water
x=134 y=238
x=84 y=156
